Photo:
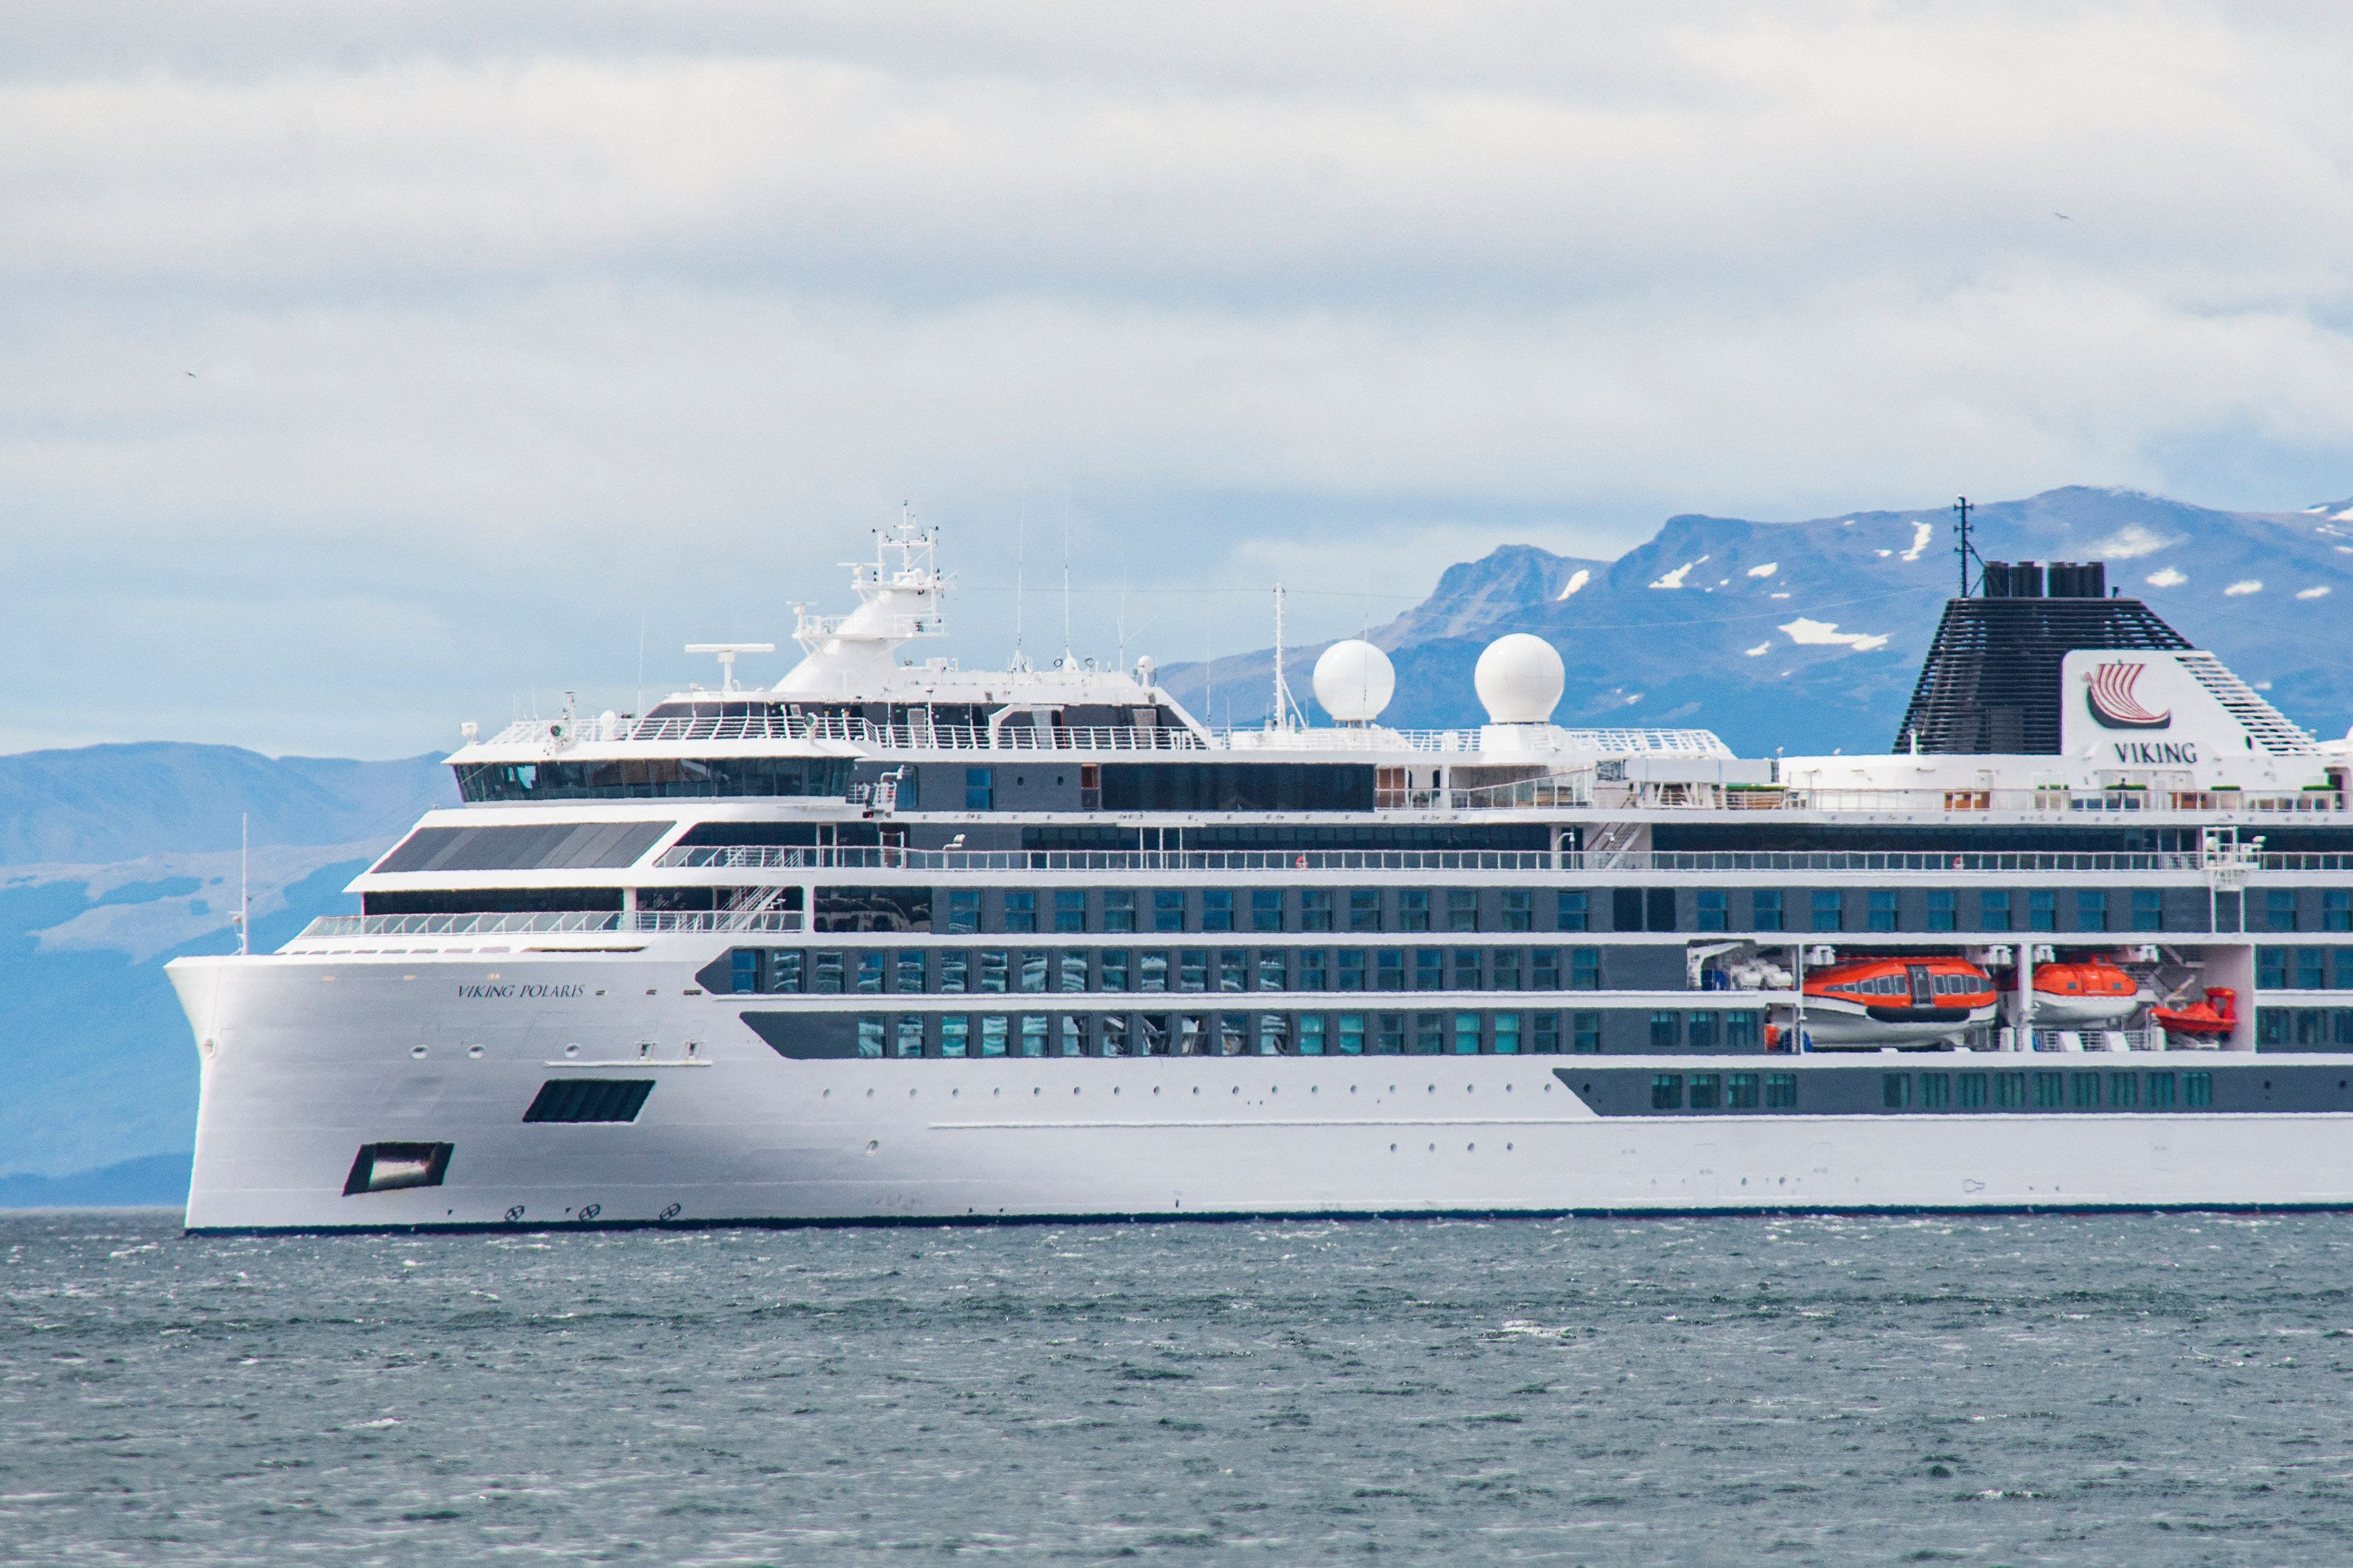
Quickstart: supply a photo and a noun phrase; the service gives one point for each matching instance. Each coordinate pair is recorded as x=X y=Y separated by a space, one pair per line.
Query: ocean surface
x=2162 y=1389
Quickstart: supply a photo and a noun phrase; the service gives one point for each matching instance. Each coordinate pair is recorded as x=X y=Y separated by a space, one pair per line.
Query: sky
x=368 y=370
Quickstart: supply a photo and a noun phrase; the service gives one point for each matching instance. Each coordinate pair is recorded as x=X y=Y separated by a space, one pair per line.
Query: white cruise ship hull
x=307 y=1061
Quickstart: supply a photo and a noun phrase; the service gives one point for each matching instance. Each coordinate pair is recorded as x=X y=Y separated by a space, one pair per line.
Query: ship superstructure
x=892 y=939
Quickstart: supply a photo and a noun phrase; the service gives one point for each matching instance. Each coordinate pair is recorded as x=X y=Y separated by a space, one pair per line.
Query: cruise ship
x=897 y=941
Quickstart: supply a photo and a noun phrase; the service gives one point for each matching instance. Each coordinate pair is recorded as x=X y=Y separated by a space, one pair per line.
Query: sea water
x=2126 y=1389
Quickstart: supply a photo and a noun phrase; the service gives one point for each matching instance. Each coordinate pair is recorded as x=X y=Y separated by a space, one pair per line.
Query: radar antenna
x=727 y=652
x=1964 y=548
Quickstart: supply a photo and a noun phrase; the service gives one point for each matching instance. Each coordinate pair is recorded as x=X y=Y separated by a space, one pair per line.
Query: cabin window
x=1390 y=1038
x=2010 y=1090
x=1033 y=970
x=1504 y=969
x=2091 y=909
x=1071 y=971
x=1352 y=969
x=870 y=1037
x=1573 y=912
x=2050 y=1090
x=1364 y=909
x=2085 y=1087
x=2160 y=1091
x=1712 y=913
x=785 y=973
x=1993 y=911
x=1073 y=1035
x=1315 y=908
x=1352 y=1033
x=956 y=1033
x=954 y=966
x=1765 y=909
x=1021 y=912
x=1701 y=1027
x=870 y=974
x=2279 y=909
x=1544 y=972
x=1466 y=1034
x=744 y=970
x=1275 y=1034
x=2122 y=1090
x=1666 y=1031
x=1706 y=1091
x=2271 y=968
x=1033 y=1034
x=828 y=975
x=1781 y=1091
x=1232 y=1034
x=1429 y=969
x=1894 y=1090
x=911 y=1035
x=2336 y=911
x=979 y=789
x=2198 y=1089
x=2310 y=962
x=1463 y=908
x=2042 y=910
x=1943 y=911
x=1269 y=969
x=1232 y=968
x=1115 y=1035
x=1413 y=909
x=1312 y=968
x=1113 y=969
x=1217 y=910
x=1826 y=912
x=1969 y=1090
x=1429 y=1033
x=1192 y=969
x=1936 y=1090
x=1518 y=914
x=1666 y=1091
x=1070 y=911
x=1585 y=1033
x=1119 y=910
x=909 y=971
x=1585 y=969
x=1743 y=1030
x=1311 y=1035
x=994 y=972
x=1466 y=969
x=1543 y=1034
x=992 y=1035
x=1167 y=908
x=1740 y=1092
x=1388 y=969
x=1266 y=909
x=2148 y=908
x=1883 y=912
x=964 y=911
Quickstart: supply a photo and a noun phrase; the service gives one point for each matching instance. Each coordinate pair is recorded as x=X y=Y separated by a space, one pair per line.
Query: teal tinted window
x=1944 y=909
x=1217 y=910
x=1266 y=909
x=1894 y=1090
x=964 y=911
x=2148 y=908
x=2010 y=1090
x=1706 y=1091
x=1466 y=1034
x=979 y=789
x=1826 y=908
x=1364 y=909
x=1740 y=1092
x=1507 y=1034
x=1315 y=908
x=1518 y=910
x=1936 y=1090
x=2198 y=1089
x=1573 y=912
x=2084 y=1090
x=1743 y=1030
x=1167 y=908
x=2160 y=1091
x=1119 y=910
x=1993 y=911
x=2050 y=1090
x=955 y=1034
x=2091 y=909
x=1462 y=908
x=1585 y=969
x=1712 y=914
x=1070 y=911
x=1781 y=1091
x=1969 y=1090
x=1765 y=909
x=1033 y=1034
x=1883 y=912
x=2124 y=1090
x=1666 y=1031
x=992 y=1036
x=1666 y=1091
x=1311 y=1035
x=1702 y=1028
x=2042 y=910
x=1021 y=912
x=1585 y=1032
x=1413 y=909
x=870 y=1037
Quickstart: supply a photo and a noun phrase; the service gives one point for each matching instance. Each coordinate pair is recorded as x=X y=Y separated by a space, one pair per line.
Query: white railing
x=547 y=923
x=1942 y=865
x=558 y=734
x=2055 y=800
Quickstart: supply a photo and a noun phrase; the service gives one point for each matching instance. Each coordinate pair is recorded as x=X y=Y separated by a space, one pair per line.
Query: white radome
x=1354 y=682
x=1519 y=678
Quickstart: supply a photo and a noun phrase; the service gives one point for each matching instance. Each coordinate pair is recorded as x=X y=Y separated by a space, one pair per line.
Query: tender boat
x=2085 y=994
x=1864 y=1002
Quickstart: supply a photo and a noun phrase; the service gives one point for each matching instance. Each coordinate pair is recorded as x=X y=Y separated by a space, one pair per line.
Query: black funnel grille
x=1991 y=680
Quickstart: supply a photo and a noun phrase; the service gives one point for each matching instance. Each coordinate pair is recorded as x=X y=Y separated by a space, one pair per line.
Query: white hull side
x=304 y=1070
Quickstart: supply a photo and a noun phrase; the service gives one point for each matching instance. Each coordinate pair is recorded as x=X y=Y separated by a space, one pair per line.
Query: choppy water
x=2117 y=1389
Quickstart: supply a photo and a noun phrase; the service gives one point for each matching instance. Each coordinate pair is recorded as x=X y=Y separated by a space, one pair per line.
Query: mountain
x=118 y=860
x=1808 y=635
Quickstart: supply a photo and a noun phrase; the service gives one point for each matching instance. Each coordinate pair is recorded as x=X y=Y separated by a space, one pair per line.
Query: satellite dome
x=1519 y=680
x=1354 y=682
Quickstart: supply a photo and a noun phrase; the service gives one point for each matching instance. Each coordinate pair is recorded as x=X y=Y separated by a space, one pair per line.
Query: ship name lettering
x=521 y=993
x=2156 y=751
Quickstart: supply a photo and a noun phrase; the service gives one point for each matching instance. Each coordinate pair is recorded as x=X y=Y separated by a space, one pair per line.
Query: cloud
x=2320 y=591
x=1760 y=650
x=1808 y=633
x=511 y=327
x=1765 y=570
x=2165 y=577
x=2240 y=589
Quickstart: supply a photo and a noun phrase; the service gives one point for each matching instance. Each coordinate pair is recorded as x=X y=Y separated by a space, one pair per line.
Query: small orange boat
x=2210 y=1019
x=2083 y=994
x=1866 y=1003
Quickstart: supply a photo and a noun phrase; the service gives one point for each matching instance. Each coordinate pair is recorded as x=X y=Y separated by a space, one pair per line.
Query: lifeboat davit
x=1866 y=1003
x=2206 y=1021
x=2086 y=994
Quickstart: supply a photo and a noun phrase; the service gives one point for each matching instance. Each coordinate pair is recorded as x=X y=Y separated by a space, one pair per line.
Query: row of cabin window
x=2304 y=1028
x=1723 y=1091
x=1177 y=910
x=873 y=972
x=2304 y=968
x=956 y=1035
x=2050 y=1090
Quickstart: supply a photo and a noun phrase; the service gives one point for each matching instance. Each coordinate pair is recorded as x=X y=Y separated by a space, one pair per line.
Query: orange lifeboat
x=2212 y=1019
x=1867 y=1002
x=2083 y=994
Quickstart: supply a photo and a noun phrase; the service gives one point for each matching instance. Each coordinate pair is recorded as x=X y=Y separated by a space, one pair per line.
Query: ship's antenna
x=1282 y=703
x=244 y=885
x=1965 y=549
x=1208 y=679
x=641 y=664
x=1020 y=570
x=1067 y=661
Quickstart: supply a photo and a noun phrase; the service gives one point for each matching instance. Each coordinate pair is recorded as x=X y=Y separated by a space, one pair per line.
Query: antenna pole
x=244 y=885
x=1282 y=704
x=1020 y=572
x=1961 y=509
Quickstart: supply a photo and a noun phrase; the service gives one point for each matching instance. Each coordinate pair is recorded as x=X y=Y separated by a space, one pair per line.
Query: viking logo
x=2112 y=701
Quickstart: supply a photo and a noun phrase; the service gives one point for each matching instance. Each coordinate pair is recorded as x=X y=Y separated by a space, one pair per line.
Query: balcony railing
x=569 y=922
x=953 y=862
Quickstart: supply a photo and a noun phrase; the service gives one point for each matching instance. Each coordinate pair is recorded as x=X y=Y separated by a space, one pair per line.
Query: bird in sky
x=2062 y=217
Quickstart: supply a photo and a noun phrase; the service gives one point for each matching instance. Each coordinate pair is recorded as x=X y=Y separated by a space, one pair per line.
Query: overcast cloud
x=356 y=380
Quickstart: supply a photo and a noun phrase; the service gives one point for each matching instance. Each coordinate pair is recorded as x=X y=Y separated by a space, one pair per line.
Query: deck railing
x=549 y=923
x=775 y=858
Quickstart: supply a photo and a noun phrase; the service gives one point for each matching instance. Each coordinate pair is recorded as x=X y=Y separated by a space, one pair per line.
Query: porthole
x=872 y=1145
x=476 y=1052
x=572 y=1051
x=417 y=1050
